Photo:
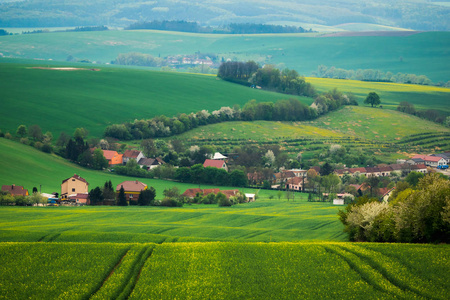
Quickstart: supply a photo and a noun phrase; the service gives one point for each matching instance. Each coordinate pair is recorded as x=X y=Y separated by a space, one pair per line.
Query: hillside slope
x=60 y=100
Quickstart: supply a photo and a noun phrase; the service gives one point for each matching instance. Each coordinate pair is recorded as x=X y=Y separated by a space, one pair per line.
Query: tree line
x=283 y=110
x=375 y=75
x=268 y=77
x=428 y=114
x=232 y=28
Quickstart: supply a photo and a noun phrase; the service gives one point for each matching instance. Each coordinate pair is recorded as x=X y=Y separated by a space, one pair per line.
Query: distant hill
x=417 y=15
x=408 y=52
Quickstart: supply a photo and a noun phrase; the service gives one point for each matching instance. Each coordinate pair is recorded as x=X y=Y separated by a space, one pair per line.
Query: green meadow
x=266 y=220
x=421 y=54
x=59 y=100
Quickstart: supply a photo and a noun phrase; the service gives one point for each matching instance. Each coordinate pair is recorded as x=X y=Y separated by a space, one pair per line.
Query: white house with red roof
x=132 y=154
x=432 y=161
x=215 y=163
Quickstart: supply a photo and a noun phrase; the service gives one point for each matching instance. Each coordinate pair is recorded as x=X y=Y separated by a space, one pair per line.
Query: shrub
x=171 y=203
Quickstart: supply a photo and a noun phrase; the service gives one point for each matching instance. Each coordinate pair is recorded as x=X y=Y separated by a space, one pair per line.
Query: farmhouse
x=150 y=163
x=132 y=154
x=215 y=163
x=432 y=161
x=15 y=190
x=192 y=193
x=113 y=157
x=79 y=198
x=296 y=183
x=132 y=189
x=72 y=186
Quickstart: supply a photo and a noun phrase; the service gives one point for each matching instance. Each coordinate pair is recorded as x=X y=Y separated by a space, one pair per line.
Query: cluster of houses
x=189 y=60
x=116 y=159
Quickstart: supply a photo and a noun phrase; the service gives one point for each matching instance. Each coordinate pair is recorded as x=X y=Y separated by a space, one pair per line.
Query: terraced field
x=224 y=271
x=382 y=131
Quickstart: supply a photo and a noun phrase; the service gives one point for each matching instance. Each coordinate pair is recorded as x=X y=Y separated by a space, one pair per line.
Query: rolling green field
x=423 y=53
x=265 y=220
x=385 y=132
x=391 y=94
x=64 y=100
x=223 y=271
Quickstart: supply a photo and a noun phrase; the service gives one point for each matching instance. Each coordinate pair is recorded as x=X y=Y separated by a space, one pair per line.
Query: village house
x=132 y=189
x=73 y=186
x=296 y=183
x=132 y=154
x=215 y=163
x=113 y=157
x=79 y=199
x=15 y=190
x=150 y=163
x=445 y=156
x=194 y=192
x=432 y=161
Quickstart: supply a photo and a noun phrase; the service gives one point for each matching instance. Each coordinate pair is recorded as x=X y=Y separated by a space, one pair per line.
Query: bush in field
x=222 y=200
x=147 y=197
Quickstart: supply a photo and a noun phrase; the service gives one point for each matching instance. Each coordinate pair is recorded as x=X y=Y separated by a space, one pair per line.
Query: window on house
x=73 y=190
x=73 y=179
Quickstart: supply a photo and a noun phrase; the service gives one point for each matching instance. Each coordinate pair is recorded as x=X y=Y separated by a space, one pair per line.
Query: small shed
x=250 y=197
x=338 y=201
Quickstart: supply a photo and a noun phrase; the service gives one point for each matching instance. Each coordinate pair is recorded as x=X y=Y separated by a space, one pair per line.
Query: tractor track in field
x=372 y=274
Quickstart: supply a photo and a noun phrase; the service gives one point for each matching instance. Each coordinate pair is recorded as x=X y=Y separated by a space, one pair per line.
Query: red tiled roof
x=385 y=169
x=216 y=163
x=427 y=157
x=191 y=193
x=15 y=190
x=360 y=170
x=417 y=167
x=76 y=177
x=109 y=154
x=131 y=186
x=79 y=196
x=131 y=153
x=296 y=180
x=230 y=193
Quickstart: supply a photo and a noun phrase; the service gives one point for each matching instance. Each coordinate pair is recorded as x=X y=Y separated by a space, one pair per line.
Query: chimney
x=12 y=186
x=136 y=182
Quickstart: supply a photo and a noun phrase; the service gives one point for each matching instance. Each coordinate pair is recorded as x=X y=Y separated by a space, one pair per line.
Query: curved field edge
x=224 y=270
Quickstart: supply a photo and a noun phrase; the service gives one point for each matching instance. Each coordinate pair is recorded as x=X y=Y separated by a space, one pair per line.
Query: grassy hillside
x=382 y=131
x=28 y=167
x=391 y=94
x=422 y=54
x=64 y=100
x=224 y=271
x=60 y=100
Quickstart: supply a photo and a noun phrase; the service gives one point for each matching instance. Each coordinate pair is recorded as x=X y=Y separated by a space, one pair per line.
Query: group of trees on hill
x=283 y=110
x=232 y=28
x=373 y=75
x=416 y=213
x=268 y=77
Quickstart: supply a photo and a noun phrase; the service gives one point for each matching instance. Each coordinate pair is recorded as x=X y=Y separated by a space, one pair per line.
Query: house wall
x=73 y=186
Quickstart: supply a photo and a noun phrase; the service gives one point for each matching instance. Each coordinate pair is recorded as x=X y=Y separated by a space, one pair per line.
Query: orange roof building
x=113 y=157
x=132 y=189
x=215 y=163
